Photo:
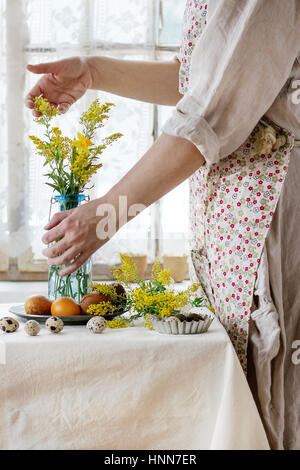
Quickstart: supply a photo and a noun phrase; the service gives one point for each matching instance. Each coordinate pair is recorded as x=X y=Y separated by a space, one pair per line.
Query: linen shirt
x=245 y=64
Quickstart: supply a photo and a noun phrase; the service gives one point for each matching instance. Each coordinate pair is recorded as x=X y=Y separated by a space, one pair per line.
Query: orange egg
x=64 y=307
x=38 y=305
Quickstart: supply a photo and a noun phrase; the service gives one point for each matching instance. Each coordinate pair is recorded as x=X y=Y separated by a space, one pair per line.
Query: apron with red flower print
x=232 y=205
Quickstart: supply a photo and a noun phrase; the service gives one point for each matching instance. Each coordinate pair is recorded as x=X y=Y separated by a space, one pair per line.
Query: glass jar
x=76 y=284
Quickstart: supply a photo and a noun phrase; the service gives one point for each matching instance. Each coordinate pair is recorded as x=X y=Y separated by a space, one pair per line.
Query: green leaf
x=54 y=177
x=197 y=302
x=54 y=187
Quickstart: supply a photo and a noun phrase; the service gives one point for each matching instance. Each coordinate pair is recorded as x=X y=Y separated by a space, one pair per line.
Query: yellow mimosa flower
x=74 y=161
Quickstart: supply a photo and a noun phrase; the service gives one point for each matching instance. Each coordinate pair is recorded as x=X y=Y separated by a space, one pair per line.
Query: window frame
x=24 y=267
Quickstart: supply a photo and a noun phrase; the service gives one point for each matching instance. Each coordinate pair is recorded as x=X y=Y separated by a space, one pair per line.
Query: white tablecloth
x=124 y=389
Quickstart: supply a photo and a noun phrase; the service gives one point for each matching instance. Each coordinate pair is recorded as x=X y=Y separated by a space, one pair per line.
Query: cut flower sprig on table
x=71 y=164
x=154 y=297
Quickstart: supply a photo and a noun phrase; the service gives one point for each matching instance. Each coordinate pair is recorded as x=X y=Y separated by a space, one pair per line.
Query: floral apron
x=232 y=206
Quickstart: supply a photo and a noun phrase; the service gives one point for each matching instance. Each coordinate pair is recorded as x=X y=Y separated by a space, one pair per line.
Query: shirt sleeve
x=238 y=67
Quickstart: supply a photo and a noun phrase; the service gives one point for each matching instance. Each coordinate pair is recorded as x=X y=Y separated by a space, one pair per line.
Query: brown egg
x=121 y=292
x=65 y=307
x=93 y=298
x=38 y=305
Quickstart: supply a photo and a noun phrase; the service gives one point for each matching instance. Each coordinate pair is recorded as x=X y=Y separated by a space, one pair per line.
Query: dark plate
x=19 y=311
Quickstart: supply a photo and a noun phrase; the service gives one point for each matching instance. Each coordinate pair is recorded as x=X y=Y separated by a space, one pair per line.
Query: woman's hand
x=76 y=230
x=63 y=82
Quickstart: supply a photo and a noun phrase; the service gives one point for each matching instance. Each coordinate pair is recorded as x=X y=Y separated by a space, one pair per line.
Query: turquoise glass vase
x=76 y=284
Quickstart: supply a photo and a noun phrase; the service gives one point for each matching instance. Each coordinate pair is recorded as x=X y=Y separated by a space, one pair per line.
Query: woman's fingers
x=76 y=237
x=47 y=67
x=57 y=218
x=54 y=234
x=57 y=249
x=46 y=85
x=64 y=107
x=36 y=91
x=82 y=258
x=59 y=258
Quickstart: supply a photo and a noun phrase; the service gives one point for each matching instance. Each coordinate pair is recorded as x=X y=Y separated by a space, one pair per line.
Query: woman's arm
x=151 y=81
x=169 y=162
x=65 y=81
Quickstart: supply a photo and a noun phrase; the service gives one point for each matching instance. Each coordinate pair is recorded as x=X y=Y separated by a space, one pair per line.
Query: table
x=125 y=389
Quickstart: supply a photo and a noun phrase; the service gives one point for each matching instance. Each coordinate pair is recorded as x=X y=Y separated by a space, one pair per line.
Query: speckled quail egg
x=32 y=328
x=8 y=324
x=54 y=324
x=96 y=324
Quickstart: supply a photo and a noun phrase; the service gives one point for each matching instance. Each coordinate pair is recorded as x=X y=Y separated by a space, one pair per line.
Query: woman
x=238 y=63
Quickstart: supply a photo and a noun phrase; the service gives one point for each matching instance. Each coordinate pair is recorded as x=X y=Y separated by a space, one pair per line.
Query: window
x=35 y=31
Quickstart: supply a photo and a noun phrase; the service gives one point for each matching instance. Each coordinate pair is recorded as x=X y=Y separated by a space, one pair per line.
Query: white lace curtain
x=33 y=31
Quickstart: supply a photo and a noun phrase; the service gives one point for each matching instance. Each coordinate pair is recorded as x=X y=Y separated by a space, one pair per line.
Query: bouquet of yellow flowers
x=72 y=162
